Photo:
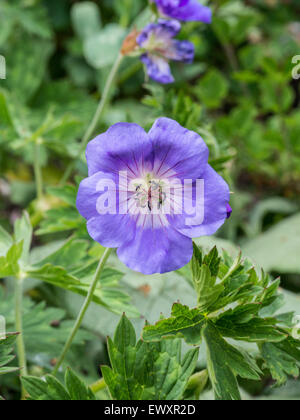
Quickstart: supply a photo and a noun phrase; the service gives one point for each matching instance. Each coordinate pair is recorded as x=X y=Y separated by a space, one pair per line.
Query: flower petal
x=158 y=68
x=177 y=151
x=156 y=251
x=181 y=51
x=216 y=199
x=120 y=148
x=186 y=10
x=111 y=231
x=89 y=193
x=158 y=32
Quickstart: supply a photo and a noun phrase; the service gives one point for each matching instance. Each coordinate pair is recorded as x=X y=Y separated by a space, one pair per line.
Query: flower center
x=148 y=193
x=158 y=45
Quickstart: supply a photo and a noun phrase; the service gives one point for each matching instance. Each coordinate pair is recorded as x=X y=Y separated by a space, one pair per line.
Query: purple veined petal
x=158 y=33
x=111 y=230
x=177 y=152
x=89 y=193
x=181 y=51
x=216 y=199
x=154 y=251
x=185 y=10
x=122 y=147
x=158 y=68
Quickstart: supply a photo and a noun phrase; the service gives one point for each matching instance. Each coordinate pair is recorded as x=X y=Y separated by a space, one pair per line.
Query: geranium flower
x=156 y=40
x=186 y=10
x=149 y=194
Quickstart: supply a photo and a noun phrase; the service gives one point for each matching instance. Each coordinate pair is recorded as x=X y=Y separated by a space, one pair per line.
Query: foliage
x=66 y=267
x=233 y=302
x=6 y=348
x=52 y=389
x=142 y=371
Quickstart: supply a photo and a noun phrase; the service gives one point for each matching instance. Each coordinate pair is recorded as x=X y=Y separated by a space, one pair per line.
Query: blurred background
x=241 y=94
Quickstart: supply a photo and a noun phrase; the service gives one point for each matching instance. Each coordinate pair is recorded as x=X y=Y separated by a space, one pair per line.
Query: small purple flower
x=151 y=229
x=186 y=10
x=157 y=41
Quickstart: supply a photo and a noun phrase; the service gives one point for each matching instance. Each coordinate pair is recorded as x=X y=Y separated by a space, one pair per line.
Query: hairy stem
x=91 y=128
x=38 y=171
x=83 y=310
x=19 y=329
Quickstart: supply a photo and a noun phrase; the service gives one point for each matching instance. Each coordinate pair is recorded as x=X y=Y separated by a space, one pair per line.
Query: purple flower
x=186 y=10
x=149 y=194
x=157 y=41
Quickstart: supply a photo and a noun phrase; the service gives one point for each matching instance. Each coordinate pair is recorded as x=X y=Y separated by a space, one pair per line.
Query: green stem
x=98 y=386
x=91 y=128
x=38 y=171
x=83 y=310
x=19 y=329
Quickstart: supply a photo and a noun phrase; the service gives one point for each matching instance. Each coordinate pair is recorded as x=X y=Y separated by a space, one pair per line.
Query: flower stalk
x=19 y=329
x=83 y=310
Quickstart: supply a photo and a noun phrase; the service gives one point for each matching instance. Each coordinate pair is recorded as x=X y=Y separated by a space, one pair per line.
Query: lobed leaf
x=143 y=371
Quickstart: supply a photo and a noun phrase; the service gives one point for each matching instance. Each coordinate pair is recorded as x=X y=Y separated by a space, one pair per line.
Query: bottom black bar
x=134 y=409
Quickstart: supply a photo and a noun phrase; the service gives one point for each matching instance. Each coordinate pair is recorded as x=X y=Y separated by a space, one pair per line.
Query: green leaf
x=57 y=276
x=102 y=49
x=67 y=193
x=5 y=118
x=212 y=261
x=69 y=255
x=86 y=19
x=184 y=323
x=282 y=359
x=225 y=363
x=27 y=65
x=212 y=89
x=61 y=220
x=124 y=335
x=36 y=388
x=31 y=18
x=204 y=278
x=50 y=389
x=277 y=205
x=56 y=390
x=142 y=371
x=6 y=348
x=44 y=328
x=71 y=268
x=242 y=323
x=76 y=387
x=278 y=248
x=197 y=384
x=6 y=241
x=9 y=265
x=23 y=232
